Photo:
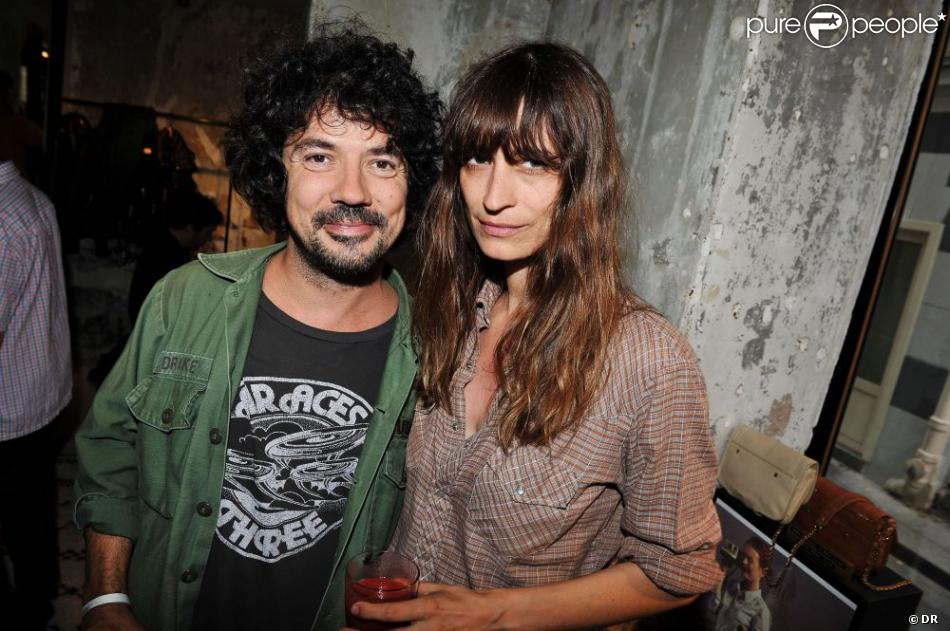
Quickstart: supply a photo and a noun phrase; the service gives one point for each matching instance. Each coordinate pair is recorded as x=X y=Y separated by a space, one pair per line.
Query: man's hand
x=111 y=617
x=438 y=608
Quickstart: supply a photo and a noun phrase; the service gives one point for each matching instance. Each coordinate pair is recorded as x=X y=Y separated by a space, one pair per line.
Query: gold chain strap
x=883 y=536
x=791 y=554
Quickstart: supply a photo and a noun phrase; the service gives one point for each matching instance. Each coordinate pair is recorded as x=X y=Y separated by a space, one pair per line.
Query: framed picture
x=748 y=600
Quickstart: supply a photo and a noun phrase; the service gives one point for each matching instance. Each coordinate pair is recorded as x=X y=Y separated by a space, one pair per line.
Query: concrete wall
x=760 y=168
x=806 y=172
x=445 y=35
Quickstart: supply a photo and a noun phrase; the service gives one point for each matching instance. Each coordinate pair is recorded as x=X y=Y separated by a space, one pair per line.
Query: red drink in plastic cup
x=377 y=578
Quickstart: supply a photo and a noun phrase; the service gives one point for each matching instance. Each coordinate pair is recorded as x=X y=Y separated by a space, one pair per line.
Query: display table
x=816 y=586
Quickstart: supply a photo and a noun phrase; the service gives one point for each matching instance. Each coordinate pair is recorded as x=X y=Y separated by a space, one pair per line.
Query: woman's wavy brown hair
x=552 y=360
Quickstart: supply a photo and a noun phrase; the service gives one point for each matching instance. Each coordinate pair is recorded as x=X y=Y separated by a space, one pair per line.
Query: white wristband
x=105 y=599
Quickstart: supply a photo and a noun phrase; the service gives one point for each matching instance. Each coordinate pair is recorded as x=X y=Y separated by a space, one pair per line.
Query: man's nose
x=351 y=187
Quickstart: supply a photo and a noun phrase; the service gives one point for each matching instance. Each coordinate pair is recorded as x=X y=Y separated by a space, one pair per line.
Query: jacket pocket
x=166 y=409
x=165 y=403
x=521 y=502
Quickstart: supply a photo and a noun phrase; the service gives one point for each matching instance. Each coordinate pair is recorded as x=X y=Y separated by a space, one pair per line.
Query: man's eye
x=316 y=158
x=476 y=161
x=384 y=168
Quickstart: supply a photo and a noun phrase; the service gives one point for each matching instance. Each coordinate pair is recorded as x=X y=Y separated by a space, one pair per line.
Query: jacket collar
x=235 y=265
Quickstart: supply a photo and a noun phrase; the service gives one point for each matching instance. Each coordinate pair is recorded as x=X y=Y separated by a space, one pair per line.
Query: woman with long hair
x=560 y=467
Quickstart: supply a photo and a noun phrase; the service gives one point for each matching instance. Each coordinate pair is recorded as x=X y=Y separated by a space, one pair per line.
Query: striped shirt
x=634 y=483
x=35 y=372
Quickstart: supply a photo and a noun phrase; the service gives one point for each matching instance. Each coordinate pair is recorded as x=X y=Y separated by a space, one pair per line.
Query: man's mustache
x=344 y=212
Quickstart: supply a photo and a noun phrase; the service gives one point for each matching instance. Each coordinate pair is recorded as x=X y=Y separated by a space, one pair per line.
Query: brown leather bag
x=845 y=531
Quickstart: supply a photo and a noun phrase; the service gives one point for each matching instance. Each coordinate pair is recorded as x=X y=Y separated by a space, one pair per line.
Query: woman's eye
x=537 y=165
x=476 y=161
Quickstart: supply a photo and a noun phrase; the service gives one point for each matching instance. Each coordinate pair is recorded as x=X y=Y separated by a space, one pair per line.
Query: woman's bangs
x=494 y=121
x=533 y=137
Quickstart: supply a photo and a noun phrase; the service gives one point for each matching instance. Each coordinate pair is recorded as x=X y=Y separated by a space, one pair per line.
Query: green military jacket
x=152 y=449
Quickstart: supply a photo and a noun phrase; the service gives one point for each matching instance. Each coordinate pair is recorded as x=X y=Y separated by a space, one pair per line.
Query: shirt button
x=519 y=490
x=188 y=576
x=204 y=509
x=167 y=415
x=455 y=427
x=215 y=436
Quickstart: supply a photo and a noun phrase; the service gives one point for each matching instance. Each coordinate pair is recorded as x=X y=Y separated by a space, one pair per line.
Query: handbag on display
x=845 y=531
x=767 y=476
x=770 y=478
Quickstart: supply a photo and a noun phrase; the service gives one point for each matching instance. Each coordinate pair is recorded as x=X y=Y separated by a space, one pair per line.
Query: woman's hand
x=616 y=594
x=439 y=608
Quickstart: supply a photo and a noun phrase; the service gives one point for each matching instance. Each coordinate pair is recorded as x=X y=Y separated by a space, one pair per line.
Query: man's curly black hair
x=343 y=68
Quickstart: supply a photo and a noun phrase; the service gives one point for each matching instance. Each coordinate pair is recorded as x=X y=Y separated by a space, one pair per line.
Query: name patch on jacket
x=183 y=365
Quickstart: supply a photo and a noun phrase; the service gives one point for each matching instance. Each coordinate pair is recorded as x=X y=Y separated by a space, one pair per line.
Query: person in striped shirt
x=35 y=385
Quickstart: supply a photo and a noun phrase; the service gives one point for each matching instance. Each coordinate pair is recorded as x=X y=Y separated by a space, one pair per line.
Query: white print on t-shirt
x=284 y=503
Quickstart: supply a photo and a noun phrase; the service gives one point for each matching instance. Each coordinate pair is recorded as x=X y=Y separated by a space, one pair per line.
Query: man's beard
x=350 y=267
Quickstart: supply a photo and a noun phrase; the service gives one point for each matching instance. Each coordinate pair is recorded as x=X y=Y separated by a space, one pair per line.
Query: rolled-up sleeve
x=106 y=489
x=670 y=525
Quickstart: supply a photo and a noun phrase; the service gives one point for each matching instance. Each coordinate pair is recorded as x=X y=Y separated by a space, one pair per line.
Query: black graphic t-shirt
x=297 y=426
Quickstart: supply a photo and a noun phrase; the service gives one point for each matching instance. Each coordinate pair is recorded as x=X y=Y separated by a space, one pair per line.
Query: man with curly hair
x=251 y=437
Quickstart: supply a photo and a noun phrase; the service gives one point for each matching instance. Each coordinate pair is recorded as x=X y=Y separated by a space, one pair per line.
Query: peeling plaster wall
x=446 y=36
x=759 y=167
x=674 y=75
x=806 y=172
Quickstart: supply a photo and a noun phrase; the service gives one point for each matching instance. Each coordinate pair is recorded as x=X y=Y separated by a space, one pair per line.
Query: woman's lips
x=500 y=230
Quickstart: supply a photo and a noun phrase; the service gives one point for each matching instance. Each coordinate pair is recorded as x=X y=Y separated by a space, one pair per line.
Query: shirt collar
x=8 y=171
x=484 y=301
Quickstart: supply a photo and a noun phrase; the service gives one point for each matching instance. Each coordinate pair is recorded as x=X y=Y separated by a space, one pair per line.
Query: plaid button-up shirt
x=634 y=483
x=35 y=373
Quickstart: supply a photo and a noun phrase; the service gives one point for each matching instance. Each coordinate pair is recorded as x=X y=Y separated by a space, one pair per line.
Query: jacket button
x=204 y=509
x=188 y=576
x=167 y=415
x=215 y=436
